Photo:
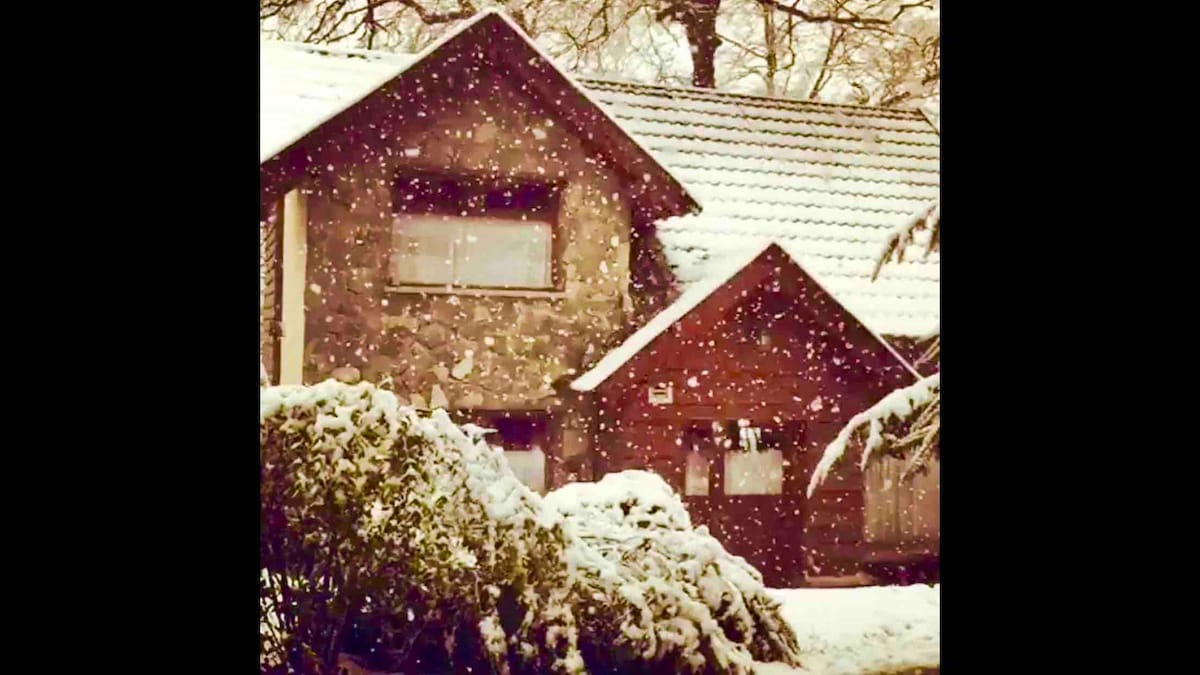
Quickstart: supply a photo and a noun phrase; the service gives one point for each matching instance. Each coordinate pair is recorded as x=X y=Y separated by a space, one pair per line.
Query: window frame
x=485 y=418
x=793 y=433
x=478 y=187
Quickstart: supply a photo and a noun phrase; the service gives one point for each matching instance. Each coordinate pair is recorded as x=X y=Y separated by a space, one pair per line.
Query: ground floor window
x=737 y=457
x=525 y=439
x=695 y=482
x=754 y=472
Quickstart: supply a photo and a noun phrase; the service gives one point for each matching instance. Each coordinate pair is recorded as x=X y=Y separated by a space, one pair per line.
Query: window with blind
x=737 y=458
x=523 y=436
x=754 y=463
x=471 y=233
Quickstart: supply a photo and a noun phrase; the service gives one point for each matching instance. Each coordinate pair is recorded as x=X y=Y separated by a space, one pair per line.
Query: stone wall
x=460 y=350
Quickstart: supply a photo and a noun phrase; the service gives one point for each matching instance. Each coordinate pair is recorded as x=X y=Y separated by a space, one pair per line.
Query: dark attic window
x=762 y=319
x=524 y=437
x=471 y=232
x=761 y=334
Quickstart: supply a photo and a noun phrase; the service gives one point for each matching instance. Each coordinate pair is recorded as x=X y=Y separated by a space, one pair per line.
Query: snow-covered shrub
x=372 y=511
x=404 y=538
x=674 y=597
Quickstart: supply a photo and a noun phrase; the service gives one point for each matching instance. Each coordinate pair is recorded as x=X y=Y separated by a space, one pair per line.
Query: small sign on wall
x=662 y=394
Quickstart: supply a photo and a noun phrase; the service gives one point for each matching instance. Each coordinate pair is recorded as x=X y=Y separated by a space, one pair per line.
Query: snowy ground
x=855 y=631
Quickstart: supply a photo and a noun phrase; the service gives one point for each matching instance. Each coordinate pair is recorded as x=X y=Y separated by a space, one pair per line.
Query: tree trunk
x=771 y=42
x=699 y=19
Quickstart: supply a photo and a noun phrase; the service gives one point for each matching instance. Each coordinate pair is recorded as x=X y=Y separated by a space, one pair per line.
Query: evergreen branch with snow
x=908 y=421
x=928 y=219
x=921 y=399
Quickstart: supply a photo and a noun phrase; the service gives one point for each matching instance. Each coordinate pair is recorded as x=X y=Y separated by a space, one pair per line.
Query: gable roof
x=724 y=273
x=832 y=181
x=303 y=87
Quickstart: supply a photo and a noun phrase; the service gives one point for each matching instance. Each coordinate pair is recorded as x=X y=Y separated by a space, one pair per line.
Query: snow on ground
x=855 y=631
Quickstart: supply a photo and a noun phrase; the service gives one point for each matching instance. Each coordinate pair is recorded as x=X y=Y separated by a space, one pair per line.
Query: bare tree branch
x=465 y=10
x=881 y=50
x=847 y=18
x=835 y=38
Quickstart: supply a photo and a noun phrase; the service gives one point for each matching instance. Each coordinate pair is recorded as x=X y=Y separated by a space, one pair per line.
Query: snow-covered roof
x=831 y=180
x=834 y=180
x=687 y=301
x=302 y=86
x=719 y=274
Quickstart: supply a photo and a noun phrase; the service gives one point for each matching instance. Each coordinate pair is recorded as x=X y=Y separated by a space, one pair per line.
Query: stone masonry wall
x=463 y=351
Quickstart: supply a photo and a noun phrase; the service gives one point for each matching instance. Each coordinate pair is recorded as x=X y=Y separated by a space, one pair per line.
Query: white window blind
x=695 y=482
x=472 y=251
x=754 y=473
x=529 y=467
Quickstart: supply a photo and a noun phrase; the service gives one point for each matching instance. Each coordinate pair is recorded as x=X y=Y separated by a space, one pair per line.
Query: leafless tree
x=884 y=52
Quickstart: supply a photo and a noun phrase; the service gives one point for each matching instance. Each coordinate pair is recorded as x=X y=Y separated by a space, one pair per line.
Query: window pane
x=523 y=438
x=430 y=195
x=504 y=253
x=530 y=199
x=696 y=479
x=422 y=250
x=754 y=473
x=529 y=466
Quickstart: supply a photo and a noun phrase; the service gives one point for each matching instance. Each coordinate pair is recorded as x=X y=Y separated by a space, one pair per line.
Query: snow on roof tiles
x=301 y=86
x=304 y=86
x=828 y=181
x=686 y=302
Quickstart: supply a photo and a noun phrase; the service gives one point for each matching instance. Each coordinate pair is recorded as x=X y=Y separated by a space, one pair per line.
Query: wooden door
x=763 y=524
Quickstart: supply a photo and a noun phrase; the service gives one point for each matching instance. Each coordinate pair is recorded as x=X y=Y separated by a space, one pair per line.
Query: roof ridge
x=335 y=50
x=802 y=174
x=870 y=229
x=775 y=132
x=774 y=144
x=602 y=81
x=778 y=202
x=637 y=110
x=788 y=188
x=806 y=161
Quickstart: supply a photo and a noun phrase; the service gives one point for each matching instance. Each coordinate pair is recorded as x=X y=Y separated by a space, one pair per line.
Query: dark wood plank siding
x=769 y=347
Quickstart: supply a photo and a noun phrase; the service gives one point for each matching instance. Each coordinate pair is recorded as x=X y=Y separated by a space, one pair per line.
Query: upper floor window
x=473 y=233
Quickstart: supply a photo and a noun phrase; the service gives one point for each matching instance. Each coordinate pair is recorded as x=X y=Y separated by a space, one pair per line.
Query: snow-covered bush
x=675 y=598
x=372 y=511
x=404 y=538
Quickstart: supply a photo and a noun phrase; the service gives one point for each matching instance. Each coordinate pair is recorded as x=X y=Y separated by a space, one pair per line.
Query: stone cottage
x=611 y=275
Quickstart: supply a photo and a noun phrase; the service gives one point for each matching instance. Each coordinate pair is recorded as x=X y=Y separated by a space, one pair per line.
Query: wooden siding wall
x=899 y=511
x=816 y=371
